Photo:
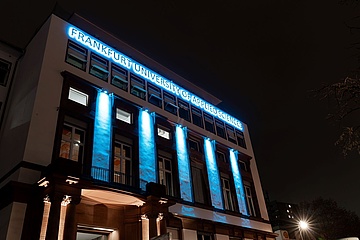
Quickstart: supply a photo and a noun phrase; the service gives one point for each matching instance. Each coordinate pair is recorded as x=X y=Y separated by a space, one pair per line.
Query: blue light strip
x=108 y=52
x=147 y=158
x=240 y=194
x=183 y=163
x=102 y=137
x=213 y=174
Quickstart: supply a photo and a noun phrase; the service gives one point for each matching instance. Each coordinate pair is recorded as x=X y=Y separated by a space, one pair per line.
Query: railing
x=115 y=178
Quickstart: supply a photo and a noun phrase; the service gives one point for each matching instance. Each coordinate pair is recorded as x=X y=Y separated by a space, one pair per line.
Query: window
x=170 y=103
x=99 y=67
x=228 y=198
x=164 y=132
x=5 y=67
x=184 y=110
x=249 y=200
x=240 y=139
x=196 y=116
x=76 y=55
x=78 y=96
x=165 y=173
x=124 y=116
x=243 y=166
x=221 y=157
x=123 y=160
x=199 y=186
x=119 y=77
x=231 y=134
x=154 y=95
x=220 y=129
x=204 y=236
x=73 y=140
x=194 y=144
x=209 y=123
x=138 y=87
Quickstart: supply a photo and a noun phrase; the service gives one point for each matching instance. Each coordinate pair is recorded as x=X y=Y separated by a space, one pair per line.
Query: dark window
x=138 y=87
x=240 y=139
x=243 y=166
x=119 y=77
x=199 y=185
x=184 y=110
x=170 y=103
x=194 y=145
x=231 y=134
x=221 y=157
x=99 y=67
x=4 y=71
x=166 y=173
x=204 y=236
x=227 y=194
x=250 y=200
x=209 y=123
x=76 y=55
x=220 y=129
x=154 y=94
x=196 y=117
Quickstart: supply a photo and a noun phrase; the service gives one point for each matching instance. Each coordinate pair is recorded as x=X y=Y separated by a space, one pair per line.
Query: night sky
x=261 y=58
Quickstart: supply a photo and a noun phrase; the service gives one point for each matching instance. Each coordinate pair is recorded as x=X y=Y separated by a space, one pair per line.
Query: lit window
x=4 y=71
x=72 y=140
x=76 y=55
x=164 y=133
x=77 y=96
x=99 y=67
x=123 y=116
x=123 y=161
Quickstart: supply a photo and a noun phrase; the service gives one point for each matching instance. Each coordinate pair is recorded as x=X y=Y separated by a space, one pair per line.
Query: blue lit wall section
x=240 y=194
x=102 y=137
x=213 y=174
x=183 y=163
x=147 y=158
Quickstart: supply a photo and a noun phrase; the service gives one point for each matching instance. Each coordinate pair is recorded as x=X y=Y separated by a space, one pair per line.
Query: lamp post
x=303 y=226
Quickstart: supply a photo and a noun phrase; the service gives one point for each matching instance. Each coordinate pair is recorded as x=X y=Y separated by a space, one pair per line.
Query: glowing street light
x=303 y=225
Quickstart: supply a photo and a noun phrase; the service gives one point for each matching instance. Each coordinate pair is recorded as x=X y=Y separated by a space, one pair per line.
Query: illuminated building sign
x=140 y=70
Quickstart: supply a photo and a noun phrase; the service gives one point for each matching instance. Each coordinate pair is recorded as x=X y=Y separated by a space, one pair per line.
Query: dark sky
x=260 y=57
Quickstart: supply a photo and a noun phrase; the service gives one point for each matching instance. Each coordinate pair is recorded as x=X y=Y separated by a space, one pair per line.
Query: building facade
x=98 y=141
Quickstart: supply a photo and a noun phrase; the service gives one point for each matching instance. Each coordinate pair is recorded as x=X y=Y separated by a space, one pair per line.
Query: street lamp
x=303 y=226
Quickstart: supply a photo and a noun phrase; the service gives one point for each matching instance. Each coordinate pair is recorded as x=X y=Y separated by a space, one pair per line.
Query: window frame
x=82 y=51
x=101 y=69
x=7 y=70
x=119 y=77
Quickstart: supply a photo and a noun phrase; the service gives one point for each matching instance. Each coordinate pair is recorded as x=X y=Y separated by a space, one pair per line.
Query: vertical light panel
x=102 y=137
x=45 y=219
x=240 y=194
x=213 y=174
x=183 y=164
x=147 y=159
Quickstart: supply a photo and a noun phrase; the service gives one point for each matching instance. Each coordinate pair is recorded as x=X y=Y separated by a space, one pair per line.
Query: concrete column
x=70 y=220
x=54 y=216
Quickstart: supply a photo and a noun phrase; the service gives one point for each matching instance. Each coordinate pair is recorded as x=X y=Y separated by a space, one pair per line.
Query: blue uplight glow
x=183 y=164
x=147 y=158
x=110 y=53
x=213 y=174
x=102 y=137
x=240 y=194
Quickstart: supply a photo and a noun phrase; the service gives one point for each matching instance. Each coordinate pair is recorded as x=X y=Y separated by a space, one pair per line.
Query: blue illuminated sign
x=140 y=70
